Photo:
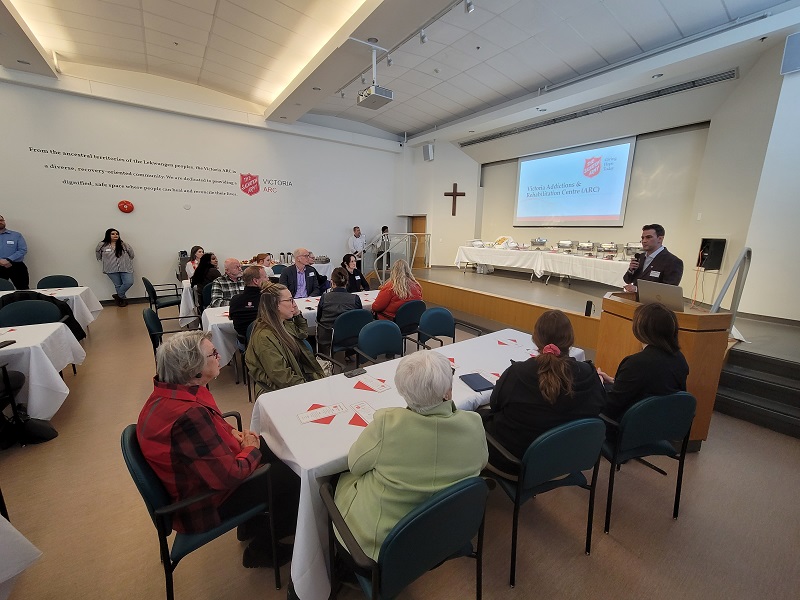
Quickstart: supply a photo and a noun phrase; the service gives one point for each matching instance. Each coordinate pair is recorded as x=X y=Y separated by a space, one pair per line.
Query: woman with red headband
x=540 y=393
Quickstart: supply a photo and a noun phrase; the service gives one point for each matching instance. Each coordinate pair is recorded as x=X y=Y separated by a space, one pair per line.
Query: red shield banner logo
x=591 y=166
x=249 y=183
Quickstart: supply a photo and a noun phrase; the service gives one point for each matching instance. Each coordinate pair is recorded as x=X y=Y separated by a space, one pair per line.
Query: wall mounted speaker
x=427 y=151
x=791 y=54
x=711 y=252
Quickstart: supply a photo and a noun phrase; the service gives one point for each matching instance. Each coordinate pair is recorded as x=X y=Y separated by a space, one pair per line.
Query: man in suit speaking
x=656 y=263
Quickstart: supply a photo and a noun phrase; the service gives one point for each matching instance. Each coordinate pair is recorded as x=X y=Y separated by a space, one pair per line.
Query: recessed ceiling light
x=23 y=62
x=658 y=76
x=283 y=117
x=472 y=131
x=541 y=109
x=316 y=89
x=372 y=40
x=297 y=104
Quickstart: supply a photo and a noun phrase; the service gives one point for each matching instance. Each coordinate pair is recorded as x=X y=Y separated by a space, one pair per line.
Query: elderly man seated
x=406 y=455
x=302 y=279
x=244 y=307
x=228 y=285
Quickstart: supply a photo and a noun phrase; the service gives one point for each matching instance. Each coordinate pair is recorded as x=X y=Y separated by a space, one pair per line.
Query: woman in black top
x=533 y=396
x=355 y=280
x=659 y=369
x=333 y=303
x=206 y=271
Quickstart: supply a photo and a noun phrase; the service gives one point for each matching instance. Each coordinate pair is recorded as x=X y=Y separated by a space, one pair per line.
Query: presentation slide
x=585 y=186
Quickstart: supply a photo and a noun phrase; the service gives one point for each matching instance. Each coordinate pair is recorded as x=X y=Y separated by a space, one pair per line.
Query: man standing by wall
x=356 y=244
x=12 y=251
x=656 y=264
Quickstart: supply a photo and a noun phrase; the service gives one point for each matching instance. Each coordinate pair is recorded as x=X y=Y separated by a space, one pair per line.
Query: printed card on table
x=364 y=413
x=452 y=362
x=508 y=342
x=370 y=384
x=319 y=413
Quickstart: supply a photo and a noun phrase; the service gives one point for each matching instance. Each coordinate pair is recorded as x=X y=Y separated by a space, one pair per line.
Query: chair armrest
x=343 y=367
x=172 y=288
x=361 y=560
x=417 y=342
x=170 y=509
x=432 y=337
x=467 y=326
x=610 y=421
x=503 y=452
x=235 y=414
x=367 y=356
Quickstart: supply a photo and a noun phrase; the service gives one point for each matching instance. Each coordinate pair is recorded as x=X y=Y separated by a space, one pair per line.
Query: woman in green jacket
x=277 y=355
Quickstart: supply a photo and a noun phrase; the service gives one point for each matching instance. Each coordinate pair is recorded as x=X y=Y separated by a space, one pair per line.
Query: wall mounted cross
x=455 y=194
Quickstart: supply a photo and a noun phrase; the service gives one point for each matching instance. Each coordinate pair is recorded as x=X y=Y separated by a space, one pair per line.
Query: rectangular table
x=41 y=352
x=540 y=262
x=315 y=451
x=223 y=335
x=84 y=304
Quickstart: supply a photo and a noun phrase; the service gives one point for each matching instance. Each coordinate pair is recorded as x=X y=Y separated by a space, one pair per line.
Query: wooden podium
x=703 y=338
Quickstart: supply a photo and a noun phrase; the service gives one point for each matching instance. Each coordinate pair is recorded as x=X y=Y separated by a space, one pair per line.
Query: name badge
x=655 y=273
x=358 y=277
x=10 y=242
x=109 y=249
x=311 y=274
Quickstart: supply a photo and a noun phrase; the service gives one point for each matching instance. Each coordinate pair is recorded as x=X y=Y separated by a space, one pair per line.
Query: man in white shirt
x=356 y=244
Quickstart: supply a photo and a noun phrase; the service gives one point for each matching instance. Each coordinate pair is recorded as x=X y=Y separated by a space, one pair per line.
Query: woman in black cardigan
x=356 y=280
x=659 y=369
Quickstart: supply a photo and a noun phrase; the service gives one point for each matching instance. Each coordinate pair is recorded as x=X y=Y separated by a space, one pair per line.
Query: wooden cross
x=455 y=194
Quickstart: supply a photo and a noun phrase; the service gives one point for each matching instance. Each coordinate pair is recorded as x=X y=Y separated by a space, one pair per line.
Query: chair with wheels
x=407 y=319
x=376 y=338
x=6 y=285
x=649 y=428
x=344 y=332
x=439 y=529
x=155 y=327
x=57 y=281
x=439 y=321
x=161 y=295
x=555 y=459
x=161 y=509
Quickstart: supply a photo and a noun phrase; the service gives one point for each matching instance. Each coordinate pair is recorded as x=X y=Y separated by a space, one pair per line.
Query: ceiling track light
x=423 y=37
x=469 y=6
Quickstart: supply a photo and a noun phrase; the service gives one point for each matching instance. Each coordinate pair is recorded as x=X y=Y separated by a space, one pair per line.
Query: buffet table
x=541 y=262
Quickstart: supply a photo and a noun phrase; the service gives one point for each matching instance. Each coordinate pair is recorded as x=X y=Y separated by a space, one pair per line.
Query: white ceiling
x=274 y=52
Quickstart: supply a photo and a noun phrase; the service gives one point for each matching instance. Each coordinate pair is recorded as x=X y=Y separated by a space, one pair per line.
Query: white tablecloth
x=84 y=304
x=540 y=262
x=314 y=450
x=223 y=335
x=41 y=351
x=16 y=555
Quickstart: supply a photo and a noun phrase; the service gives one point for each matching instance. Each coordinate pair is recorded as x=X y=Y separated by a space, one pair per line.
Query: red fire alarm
x=125 y=206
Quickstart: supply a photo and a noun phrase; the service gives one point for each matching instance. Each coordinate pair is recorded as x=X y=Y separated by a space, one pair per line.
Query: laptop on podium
x=670 y=296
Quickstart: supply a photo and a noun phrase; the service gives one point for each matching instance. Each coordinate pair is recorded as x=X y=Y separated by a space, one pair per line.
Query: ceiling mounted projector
x=374 y=97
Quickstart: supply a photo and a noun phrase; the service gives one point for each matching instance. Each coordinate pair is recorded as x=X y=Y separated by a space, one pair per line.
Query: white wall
x=334 y=186
x=773 y=285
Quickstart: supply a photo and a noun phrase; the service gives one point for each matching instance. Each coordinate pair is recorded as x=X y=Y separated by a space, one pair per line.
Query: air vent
x=660 y=93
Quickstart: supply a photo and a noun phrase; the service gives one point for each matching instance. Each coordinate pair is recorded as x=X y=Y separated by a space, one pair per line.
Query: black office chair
x=555 y=459
x=439 y=529
x=19 y=428
x=6 y=285
x=155 y=328
x=649 y=428
x=161 y=509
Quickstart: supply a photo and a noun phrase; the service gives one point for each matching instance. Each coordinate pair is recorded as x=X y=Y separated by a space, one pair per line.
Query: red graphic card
x=358 y=421
x=323 y=421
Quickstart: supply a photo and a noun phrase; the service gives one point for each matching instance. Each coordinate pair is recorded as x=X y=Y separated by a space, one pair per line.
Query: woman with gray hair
x=406 y=455
x=192 y=449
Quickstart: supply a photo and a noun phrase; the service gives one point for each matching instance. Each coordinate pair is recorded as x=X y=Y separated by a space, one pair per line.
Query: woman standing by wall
x=117 y=258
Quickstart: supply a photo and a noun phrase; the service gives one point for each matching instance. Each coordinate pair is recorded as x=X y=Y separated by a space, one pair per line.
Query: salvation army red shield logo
x=591 y=166
x=249 y=183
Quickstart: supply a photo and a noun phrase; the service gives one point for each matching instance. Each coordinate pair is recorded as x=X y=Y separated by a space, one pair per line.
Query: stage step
x=762 y=390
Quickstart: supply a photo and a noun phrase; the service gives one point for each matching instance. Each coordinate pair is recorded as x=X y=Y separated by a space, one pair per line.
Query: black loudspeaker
x=711 y=252
x=427 y=152
x=791 y=54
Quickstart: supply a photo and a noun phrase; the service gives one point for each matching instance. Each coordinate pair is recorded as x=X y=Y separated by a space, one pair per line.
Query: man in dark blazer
x=301 y=273
x=656 y=263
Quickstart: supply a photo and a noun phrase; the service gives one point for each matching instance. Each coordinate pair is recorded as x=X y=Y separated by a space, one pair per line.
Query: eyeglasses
x=214 y=354
x=287 y=300
x=303 y=255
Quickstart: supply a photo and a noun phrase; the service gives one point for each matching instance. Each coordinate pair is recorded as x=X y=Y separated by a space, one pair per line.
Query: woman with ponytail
x=543 y=392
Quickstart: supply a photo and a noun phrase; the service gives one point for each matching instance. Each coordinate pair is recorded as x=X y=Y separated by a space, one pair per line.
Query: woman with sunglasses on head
x=117 y=258
x=278 y=355
x=542 y=392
